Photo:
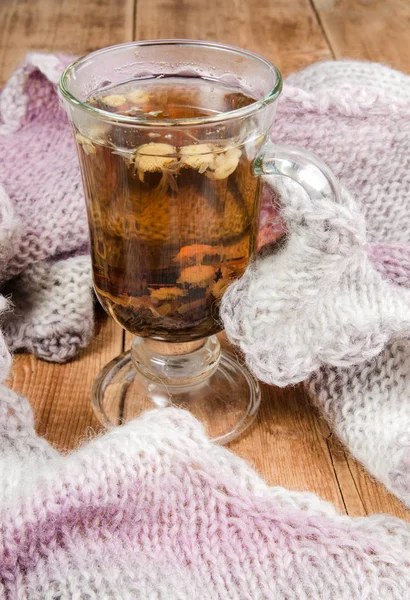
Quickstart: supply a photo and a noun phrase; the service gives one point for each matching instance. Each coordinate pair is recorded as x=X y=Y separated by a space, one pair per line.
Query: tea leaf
x=196 y=252
x=198 y=275
x=115 y=100
x=152 y=157
x=166 y=293
x=86 y=144
x=198 y=156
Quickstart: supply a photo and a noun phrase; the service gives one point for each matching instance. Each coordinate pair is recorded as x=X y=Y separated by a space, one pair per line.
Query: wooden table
x=290 y=444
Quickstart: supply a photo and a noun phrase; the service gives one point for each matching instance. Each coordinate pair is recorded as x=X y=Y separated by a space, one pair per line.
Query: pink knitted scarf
x=43 y=226
x=153 y=509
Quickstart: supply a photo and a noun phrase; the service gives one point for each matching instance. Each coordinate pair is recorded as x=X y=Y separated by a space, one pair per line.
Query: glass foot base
x=226 y=402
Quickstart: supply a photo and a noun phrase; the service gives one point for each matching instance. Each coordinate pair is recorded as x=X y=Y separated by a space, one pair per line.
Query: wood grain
x=361 y=493
x=285 y=31
x=376 y=30
x=289 y=444
x=61 y=394
x=374 y=496
x=72 y=26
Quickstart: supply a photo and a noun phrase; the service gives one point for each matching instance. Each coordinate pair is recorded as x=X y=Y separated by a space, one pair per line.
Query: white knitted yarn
x=154 y=511
x=318 y=307
x=13 y=100
x=356 y=117
x=52 y=314
x=318 y=300
x=5 y=356
x=10 y=231
x=42 y=217
x=368 y=407
x=332 y=75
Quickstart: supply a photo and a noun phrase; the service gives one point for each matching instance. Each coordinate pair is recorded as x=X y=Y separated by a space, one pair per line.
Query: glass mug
x=172 y=141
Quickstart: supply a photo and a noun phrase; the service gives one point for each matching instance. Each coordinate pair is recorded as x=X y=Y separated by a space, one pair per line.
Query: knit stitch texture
x=331 y=305
x=154 y=510
x=42 y=217
x=52 y=314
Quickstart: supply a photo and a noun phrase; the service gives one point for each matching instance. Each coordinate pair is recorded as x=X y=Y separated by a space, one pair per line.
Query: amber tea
x=172 y=219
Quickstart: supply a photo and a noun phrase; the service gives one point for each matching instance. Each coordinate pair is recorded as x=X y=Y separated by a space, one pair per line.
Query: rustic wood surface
x=289 y=444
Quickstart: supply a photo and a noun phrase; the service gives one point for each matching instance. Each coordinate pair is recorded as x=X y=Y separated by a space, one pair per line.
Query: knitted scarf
x=332 y=308
x=153 y=509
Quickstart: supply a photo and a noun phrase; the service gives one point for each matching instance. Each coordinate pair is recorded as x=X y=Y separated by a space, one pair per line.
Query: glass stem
x=176 y=364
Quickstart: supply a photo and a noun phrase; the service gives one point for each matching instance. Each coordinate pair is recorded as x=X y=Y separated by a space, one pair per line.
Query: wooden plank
x=60 y=394
x=368 y=30
x=375 y=497
x=285 y=31
x=351 y=497
x=72 y=26
x=361 y=492
x=287 y=445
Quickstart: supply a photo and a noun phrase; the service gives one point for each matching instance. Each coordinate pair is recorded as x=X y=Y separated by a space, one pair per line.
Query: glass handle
x=302 y=166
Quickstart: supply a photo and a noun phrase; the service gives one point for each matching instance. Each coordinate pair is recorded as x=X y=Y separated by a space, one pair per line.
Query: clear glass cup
x=173 y=198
